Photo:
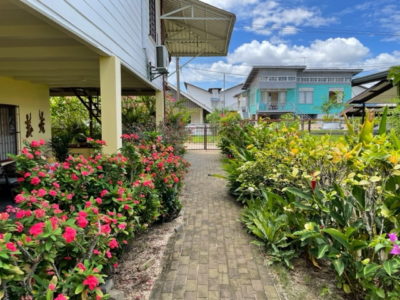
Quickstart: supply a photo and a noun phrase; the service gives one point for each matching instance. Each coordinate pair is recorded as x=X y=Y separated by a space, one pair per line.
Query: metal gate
x=8 y=131
x=202 y=137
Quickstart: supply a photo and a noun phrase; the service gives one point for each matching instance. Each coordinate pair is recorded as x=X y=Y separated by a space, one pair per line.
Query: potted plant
x=328 y=118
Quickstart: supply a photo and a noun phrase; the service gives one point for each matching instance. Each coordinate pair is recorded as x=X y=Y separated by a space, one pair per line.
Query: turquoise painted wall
x=320 y=95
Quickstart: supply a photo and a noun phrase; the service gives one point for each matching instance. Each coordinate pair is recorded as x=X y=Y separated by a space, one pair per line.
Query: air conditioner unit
x=162 y=59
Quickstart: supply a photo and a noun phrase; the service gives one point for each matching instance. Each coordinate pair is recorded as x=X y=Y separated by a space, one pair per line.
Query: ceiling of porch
x=35 y=50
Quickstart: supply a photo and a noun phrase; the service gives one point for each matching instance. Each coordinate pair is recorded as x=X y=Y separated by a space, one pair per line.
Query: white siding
x=115 y=27
x=204 y=96
x=231 y=102
x=199 y=94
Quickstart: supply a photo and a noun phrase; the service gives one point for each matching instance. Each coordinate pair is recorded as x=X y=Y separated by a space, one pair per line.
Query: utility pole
x=224 y=92
x=178 y=86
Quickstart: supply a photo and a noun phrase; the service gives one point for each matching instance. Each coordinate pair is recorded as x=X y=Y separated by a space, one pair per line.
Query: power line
x=213 y=71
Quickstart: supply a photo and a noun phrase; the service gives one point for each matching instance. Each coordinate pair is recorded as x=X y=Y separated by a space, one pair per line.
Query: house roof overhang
x=190 y=98
x=375 y=90
x=37 y=49
x=370 y=78
x=194 y=28
x=255 y=69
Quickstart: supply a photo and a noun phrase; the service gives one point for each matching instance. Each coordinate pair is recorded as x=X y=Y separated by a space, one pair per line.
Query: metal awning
x=373 y=91
x=194 y=28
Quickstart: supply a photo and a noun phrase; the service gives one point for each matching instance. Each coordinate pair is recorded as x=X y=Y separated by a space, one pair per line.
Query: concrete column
x=160 y=107
x=110 y=90
x=201 y=115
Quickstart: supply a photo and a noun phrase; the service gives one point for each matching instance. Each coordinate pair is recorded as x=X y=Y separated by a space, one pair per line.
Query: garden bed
x=332 y=201
x=143 y=261
x=306 y=282
x=73 y=219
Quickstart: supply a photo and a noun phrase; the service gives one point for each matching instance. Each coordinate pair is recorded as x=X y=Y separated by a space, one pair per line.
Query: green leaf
x=48 y=246
x=302 y=206
x=49 y=295
x=380 y=292
x=298 y=193
x=370 y=270
x=346 y=288
x=382 y=124
x=389 y=267
x=358 y=244
x=338 y=236
x=79 y=289
x=339 y=266
x=322 y=250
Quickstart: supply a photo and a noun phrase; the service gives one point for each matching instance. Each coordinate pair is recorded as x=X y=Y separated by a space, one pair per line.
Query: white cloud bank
x=329 y=53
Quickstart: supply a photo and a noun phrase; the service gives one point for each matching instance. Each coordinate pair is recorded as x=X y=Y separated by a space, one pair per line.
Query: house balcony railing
x=271 y=107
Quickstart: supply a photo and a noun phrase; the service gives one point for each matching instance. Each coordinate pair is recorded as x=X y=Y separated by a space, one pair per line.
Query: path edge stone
x=166 y=256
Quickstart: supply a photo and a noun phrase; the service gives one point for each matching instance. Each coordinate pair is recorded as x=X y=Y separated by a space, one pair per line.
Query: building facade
x=273 y=90
x=95 y=50
x=216 y=98
x=198 y=110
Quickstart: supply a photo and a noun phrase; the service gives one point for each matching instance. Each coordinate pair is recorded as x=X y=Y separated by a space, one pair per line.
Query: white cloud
x=330 y=52
x=230 y=4
x=390 y=21
x=382 y=61
x=270 y=17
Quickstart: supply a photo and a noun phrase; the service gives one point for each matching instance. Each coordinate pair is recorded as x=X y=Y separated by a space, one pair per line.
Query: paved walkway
x=212 y=257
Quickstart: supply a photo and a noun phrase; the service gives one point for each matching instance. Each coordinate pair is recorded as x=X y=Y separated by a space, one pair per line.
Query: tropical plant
x=333 y=201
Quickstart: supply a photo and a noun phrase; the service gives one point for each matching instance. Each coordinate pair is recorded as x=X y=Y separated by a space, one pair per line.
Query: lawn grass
x=199 y=139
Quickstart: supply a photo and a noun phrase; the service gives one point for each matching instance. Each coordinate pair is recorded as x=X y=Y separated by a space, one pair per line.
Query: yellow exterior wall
x=196 y=115
x=30 y=98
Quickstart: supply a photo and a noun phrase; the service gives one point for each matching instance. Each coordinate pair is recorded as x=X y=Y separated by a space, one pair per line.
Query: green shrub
x=334 y=201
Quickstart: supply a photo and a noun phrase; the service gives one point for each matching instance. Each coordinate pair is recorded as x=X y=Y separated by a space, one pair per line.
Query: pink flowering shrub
x=72 y=220
x=162 y=165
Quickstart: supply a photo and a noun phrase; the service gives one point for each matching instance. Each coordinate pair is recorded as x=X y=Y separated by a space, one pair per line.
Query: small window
x=152 y=20
x=336 y=95
x=306 y=96
x=282 y=78
x=273 y=78
x=8 y=131
x=291 y=78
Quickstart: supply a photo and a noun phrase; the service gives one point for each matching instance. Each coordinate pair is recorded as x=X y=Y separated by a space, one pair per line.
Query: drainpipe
x=178 y=86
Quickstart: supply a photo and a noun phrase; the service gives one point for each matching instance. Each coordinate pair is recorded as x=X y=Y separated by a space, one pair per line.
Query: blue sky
x=317 y=33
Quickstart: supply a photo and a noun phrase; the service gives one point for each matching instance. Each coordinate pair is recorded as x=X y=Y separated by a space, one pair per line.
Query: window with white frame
x=336 y=95
x=306 y=95
x=152 y=20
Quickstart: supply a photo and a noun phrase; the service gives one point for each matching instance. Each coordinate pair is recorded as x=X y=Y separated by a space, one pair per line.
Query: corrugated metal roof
x=194 y=28
x=371 y=92
x=370 y=78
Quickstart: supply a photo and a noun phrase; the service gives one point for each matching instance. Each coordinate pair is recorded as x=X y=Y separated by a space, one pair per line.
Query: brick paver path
x=212 y=257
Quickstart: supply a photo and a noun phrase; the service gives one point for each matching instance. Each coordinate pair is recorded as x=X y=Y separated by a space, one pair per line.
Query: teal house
x=275 y=90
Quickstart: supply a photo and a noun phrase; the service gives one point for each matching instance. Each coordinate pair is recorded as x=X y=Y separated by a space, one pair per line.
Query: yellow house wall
x=30 y=98
x=196 y=115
